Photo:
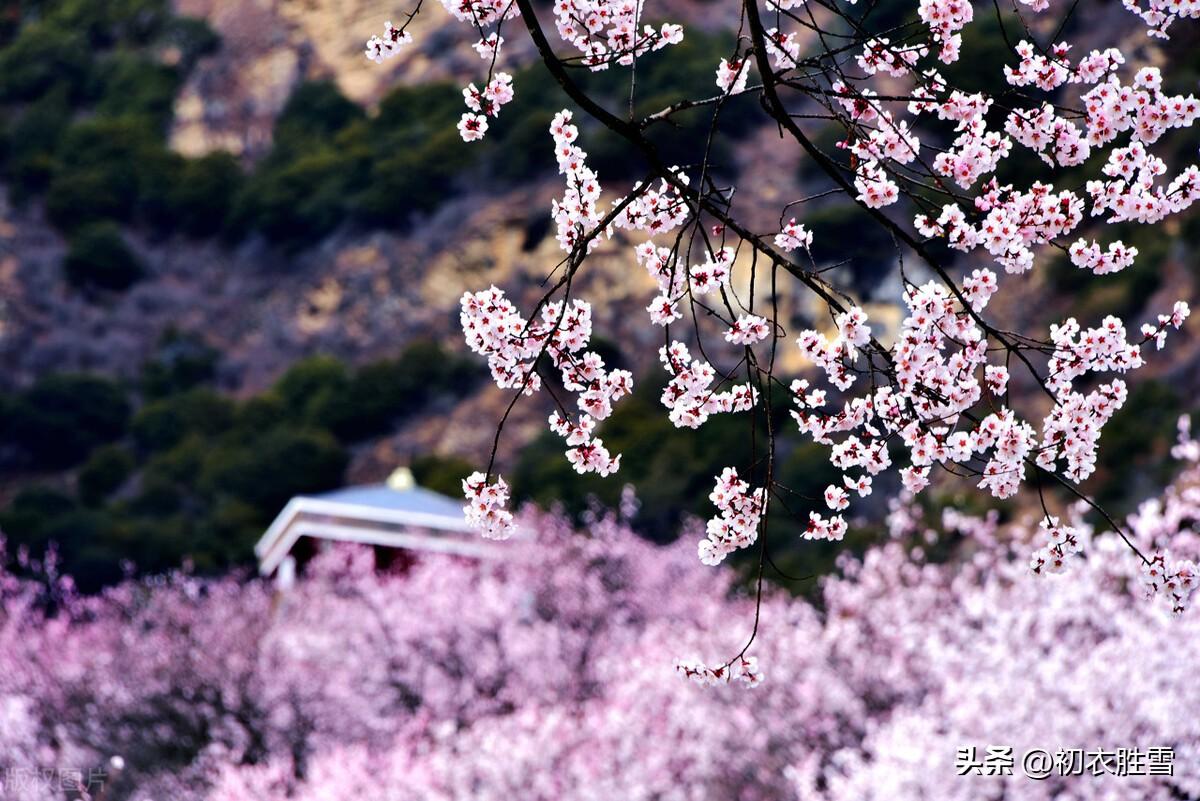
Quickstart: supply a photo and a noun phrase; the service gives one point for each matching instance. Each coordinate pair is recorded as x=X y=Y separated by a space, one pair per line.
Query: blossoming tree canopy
x=465 y=679
x=935 y=165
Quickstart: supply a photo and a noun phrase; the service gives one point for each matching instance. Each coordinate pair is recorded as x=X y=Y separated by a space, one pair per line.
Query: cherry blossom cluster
x=489 y=46
x=486 y=510
x=1007 y=221
x=858 y=103
x=978 y=288
x=890 y=140
x=1102 y=348
x=732 y=75
x=1012 y=224
x=1094 y=108
x=494 y=328
x=558 y=655
x=835 y=356
x=945 y=19
x=959 y=107
x=713 y=273
x=1141 y=108
x=748 y=329
x=1186 y=447
x=482 y=104
x=975 y=152
x=606 y=31
x=1061 y=543
x=655 y=211
x=783 y=48
x=744 y=669
x=1131 y=193
x=875 y=188
x=1045 y=71
x=585 y=453
x=481 y=13
x=577 y=213
x=1056 y=140
x=381 y=48
x=1088 y=256
x=1050 y=70
x=819 y=527
x=1158 y=331
x=1175 y=579
x=739 y=515
x=878 y=56
x=513 y=347
x=660 y=211
x=793 y=236
x=1071 y=430
x=939 y=354
x=690 y=397
x=1159 y=14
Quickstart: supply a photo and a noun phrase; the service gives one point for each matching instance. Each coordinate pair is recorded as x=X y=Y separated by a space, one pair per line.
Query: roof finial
x=401 y=479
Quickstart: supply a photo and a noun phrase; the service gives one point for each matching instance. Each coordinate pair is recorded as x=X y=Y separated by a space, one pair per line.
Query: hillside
x=197 y=204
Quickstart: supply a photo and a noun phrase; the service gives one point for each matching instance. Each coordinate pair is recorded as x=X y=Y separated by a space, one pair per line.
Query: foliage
x=181 y=362
x=190 y=474
x=98 y=257
x=106 y=469
x=321 y=391
x=134 y=87
x=199 y=199
x=61 y=418
x=444 y=474
x=88 y=100
x=161 y=424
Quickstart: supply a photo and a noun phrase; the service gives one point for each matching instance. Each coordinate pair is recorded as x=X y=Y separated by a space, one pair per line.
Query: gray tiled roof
x=381 y=496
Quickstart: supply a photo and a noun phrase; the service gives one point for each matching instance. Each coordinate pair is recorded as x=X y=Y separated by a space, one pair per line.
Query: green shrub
x=201 y=475
x=181 y=465
x=412 y=179
x=183 y=361
x=200 y=200
x=90 y=547
x=136 y=87
x=61 y=418
x=442 y=474
x=160 y=425
x=30 y=511
x=159 y=497
x=268 y=471
x=98 y=256
x=106 y=470
x=33 y=137
x=320 y=391
x=313 y=114
x=90 y=196
x=229 y=534
x=112 y=169
x=297 y=202
x=42 y=56
x=409 y=154
x=90 y=96
x=307 y=381
x=108 y=23
x=260 y=413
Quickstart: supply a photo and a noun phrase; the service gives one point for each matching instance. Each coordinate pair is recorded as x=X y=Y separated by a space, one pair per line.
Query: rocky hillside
x=238 y=175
